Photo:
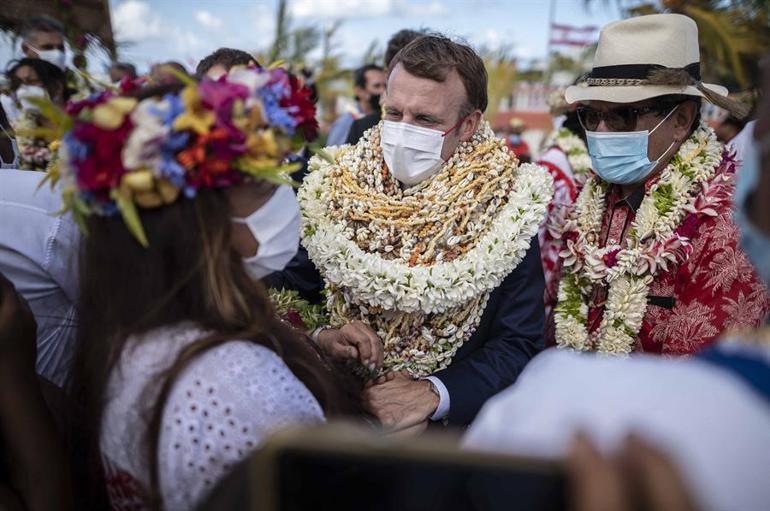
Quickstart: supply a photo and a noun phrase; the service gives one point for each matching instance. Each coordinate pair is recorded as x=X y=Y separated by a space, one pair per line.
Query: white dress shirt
x=38 y=253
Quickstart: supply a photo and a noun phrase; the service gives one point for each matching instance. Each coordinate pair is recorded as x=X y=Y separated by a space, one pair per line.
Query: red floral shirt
x=716 y=289
x=565 y=191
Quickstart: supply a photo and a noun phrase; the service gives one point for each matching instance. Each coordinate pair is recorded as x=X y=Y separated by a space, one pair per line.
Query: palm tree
x=734 y=35
x=501 y=71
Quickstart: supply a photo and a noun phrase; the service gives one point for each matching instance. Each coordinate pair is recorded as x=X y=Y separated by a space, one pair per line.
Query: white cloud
x=133 y=20
x=434 y=8
x=208 y=20
x=341 y=8
x=338 y=9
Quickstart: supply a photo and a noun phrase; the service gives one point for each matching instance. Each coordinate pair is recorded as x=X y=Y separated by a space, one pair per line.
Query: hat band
x=633 y=74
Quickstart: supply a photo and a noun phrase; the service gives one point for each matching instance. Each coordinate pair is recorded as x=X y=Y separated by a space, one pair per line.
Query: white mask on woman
x=276 y=227
x=25 y=92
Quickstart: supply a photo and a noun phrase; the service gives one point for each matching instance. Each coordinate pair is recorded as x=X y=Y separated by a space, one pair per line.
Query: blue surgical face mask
x=620 y=157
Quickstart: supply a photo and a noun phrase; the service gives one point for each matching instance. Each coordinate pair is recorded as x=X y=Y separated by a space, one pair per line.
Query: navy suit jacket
x=509 y=334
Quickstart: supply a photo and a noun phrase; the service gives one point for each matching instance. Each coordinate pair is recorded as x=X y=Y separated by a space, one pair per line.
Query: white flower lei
x=688 y=185
x=423 y=308
x=577 y=154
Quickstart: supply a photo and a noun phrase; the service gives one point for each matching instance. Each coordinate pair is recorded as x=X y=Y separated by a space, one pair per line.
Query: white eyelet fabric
x=219 y=409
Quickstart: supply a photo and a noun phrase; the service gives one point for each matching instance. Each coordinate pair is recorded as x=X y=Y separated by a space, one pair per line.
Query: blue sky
x=156 y=30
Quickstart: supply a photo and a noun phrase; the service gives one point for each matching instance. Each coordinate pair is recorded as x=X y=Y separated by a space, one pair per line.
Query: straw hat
x=517 y=123
x=647 y=57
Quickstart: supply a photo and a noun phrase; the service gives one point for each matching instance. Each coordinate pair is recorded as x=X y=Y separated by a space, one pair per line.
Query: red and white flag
x=567 y=35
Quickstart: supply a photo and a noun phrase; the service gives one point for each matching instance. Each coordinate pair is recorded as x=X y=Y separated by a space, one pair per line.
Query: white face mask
x=412 y=153
x=55 y=56
x=276 y=227
x=25 y=92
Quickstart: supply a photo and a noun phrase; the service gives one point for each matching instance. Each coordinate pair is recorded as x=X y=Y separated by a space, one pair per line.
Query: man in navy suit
x=449 y=102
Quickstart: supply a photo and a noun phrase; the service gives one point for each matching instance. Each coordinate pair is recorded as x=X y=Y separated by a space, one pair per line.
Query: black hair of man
x=225 y=57
x=125 y=67
x=399 y=40
x=41 y=24
x=359 y=77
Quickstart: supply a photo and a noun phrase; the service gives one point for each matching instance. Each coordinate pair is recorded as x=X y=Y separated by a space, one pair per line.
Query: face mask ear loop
x=447 y=132
x=664 y=120
x=457 y=125
x=672 y=143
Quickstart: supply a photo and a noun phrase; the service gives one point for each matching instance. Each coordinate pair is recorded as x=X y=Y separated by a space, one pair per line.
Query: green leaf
x=130 y=216
x=323 y=153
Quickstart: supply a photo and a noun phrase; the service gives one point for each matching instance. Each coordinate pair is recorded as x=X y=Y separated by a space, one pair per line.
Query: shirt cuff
x=443 y=399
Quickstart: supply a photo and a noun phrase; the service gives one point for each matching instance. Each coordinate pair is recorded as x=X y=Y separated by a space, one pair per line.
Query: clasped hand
x=401 y=403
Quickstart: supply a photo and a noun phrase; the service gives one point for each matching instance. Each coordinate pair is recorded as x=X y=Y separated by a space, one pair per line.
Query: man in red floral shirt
x=651 y=257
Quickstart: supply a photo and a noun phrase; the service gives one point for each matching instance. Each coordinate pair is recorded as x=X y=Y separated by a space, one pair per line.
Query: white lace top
x=219 y=409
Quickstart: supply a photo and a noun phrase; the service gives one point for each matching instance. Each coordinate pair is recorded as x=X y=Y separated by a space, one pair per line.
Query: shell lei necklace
x=659 y=238
x=418 y=264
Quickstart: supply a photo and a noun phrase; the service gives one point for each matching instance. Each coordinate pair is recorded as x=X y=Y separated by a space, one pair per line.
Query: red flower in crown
x=73 y=108
x=103 y=168
x=301 y=106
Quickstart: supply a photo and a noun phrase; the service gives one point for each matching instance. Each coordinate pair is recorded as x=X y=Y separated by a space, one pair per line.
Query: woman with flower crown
x=183 y=366
x=651 y=260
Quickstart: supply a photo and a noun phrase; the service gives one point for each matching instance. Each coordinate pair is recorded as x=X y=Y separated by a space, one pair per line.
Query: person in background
x=652 y=260
x=566 y=159
x=42 y=37
x=753 y=190
x=121 y=70
x=516 y=142
x=34 y=473
x=38 y=253
x=222 y=60
x=165 y=73
x=36 y=78
x=9 y=150
x=729 y=128
x=33 y=80
x=368 y=86
x=395 y=43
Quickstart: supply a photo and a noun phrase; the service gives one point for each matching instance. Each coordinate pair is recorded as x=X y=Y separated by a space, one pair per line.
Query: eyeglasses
x=618 y=119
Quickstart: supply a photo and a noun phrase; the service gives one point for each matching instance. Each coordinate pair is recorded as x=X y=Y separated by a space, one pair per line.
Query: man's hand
x=18 y=331
x=356 y=341
x=401 y=403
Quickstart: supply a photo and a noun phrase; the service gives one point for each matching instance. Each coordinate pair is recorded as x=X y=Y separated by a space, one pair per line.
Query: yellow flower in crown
x=110 y=114
x=195 y=117
x=262 y=143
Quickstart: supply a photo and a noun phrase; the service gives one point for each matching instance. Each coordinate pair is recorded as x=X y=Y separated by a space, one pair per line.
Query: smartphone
x=343 y=468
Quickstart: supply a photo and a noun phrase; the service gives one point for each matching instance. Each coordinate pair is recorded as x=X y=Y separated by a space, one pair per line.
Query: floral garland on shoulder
x=577 y=154
x=292 y=308
x=697 y=183
x=418 y=264
x=35 y=152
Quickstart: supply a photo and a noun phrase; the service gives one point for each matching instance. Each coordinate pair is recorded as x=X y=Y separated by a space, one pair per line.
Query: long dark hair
x=189 y=273
x=53 y=79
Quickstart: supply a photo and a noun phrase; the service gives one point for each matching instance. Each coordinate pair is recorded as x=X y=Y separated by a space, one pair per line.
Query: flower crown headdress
x=118 y=154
